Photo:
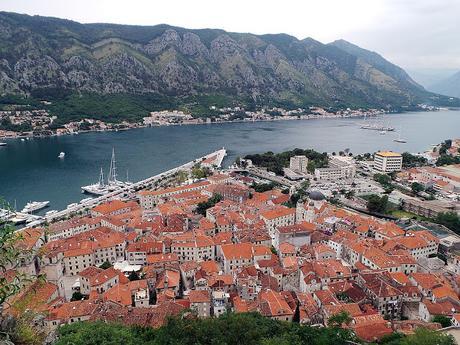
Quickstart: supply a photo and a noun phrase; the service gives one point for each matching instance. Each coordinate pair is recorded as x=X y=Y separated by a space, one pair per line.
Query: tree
x=443 y=320
x=417 y=187
x=11 y=255
x=450 y=220
x=383 y=179
x=377 y=204
x=337 y=320
x=77 y=296
x=424 y=336
x=203 y=206
x=105 y=265
x=133 y=276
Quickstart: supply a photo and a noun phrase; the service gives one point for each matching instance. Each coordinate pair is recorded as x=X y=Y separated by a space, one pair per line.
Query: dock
x=218 y=157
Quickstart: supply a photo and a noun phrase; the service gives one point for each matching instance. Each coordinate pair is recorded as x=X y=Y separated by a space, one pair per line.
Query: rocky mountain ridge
x=41 y=53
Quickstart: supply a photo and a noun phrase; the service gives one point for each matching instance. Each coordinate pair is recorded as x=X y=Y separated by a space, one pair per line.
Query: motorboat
x=33 y=206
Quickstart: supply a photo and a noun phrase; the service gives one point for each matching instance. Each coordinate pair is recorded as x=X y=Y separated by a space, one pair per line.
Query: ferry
x=378 y=128
x=34 y=206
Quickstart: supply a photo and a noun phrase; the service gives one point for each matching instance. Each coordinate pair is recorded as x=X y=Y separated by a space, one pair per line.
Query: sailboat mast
x=101 y=178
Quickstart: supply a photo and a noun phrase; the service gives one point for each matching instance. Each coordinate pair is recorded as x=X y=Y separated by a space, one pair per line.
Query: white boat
x=82 y=201
x=61 y=155
x=399 y=139
x=50 y=213
x=72 y=205
x=383 y=132
x=22 y=139
x=34 y=206
x=2 y=144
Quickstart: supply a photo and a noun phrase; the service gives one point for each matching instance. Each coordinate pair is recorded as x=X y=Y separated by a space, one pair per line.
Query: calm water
x=30 y=170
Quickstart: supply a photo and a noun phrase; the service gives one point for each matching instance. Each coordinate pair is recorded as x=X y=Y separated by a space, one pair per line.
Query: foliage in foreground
x=229 y=329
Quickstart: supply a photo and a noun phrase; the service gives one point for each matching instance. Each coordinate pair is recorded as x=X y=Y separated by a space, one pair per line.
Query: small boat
x=399 y=139
x=383 y=132
x=61 y=155
x=50 y=213
x=2 y=144
x=34 y=206
x=22 y=139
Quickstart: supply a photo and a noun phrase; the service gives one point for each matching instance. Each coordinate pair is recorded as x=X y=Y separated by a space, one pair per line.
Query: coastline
x=274 y=119
x=141 y=125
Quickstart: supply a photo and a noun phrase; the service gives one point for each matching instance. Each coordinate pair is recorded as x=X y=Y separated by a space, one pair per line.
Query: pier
x=127 y=190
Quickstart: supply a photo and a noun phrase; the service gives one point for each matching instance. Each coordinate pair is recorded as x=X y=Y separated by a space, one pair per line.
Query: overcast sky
x=415 y=34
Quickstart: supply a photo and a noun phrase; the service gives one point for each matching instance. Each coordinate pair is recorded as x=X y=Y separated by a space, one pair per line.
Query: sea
x=30 y=170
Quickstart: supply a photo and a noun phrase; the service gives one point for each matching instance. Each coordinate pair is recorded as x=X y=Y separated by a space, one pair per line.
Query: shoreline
x=275 y=119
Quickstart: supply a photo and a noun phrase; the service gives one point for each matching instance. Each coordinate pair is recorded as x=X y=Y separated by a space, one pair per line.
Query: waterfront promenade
x=129 y=190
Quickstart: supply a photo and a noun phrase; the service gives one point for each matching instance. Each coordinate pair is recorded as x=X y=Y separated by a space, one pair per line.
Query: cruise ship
x=34 y=206
x=101 y=188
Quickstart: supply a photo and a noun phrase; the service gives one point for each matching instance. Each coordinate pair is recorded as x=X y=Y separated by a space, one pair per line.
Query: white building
x=387 y=161
x=339 y=168
x=298 y=164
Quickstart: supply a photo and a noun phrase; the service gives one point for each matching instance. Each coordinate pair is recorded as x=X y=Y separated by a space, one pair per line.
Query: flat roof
x=388 y=154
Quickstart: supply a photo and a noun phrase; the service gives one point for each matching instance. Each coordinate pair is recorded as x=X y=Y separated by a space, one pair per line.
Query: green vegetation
x=229 y=329
x=299 y=194
x=445 y=159
x=411 y=161
x=105 y=265
x=450 y=220
x=133 y=276
x=443 y=320
x=199 y=172
x=6 y=125
x=232 y=329
x=377 y=204
x=385 y=181
x=263 y=187
x=77 y=296
x=276 y=162
x=417 y=187
x=203 y=206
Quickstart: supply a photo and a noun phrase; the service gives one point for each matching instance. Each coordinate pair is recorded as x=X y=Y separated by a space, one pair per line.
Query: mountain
x=50 y=57
x=428 y=77
x=449 y=86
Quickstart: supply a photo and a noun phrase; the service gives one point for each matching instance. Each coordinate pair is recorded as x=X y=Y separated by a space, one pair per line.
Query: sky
x=421 y=35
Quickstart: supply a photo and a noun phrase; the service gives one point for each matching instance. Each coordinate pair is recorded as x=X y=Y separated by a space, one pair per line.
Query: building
x=339 y=168
x=387 y=161
x=298 y=164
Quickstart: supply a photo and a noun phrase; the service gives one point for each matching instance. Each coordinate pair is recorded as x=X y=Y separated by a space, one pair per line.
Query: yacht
x=113 y=184
x=61 y=155
x=399 y=139
x=34 y=206
x=72 y=205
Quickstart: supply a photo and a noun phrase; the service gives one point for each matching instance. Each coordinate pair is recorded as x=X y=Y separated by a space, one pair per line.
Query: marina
x=124 y=190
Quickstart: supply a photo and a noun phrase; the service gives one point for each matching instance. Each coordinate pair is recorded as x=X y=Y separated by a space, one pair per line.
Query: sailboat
x=113 y=184
x=400 y=139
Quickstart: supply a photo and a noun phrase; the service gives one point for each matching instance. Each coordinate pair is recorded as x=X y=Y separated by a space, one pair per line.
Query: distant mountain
x=449 y=86
x=427 y=77
x=46 y=56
